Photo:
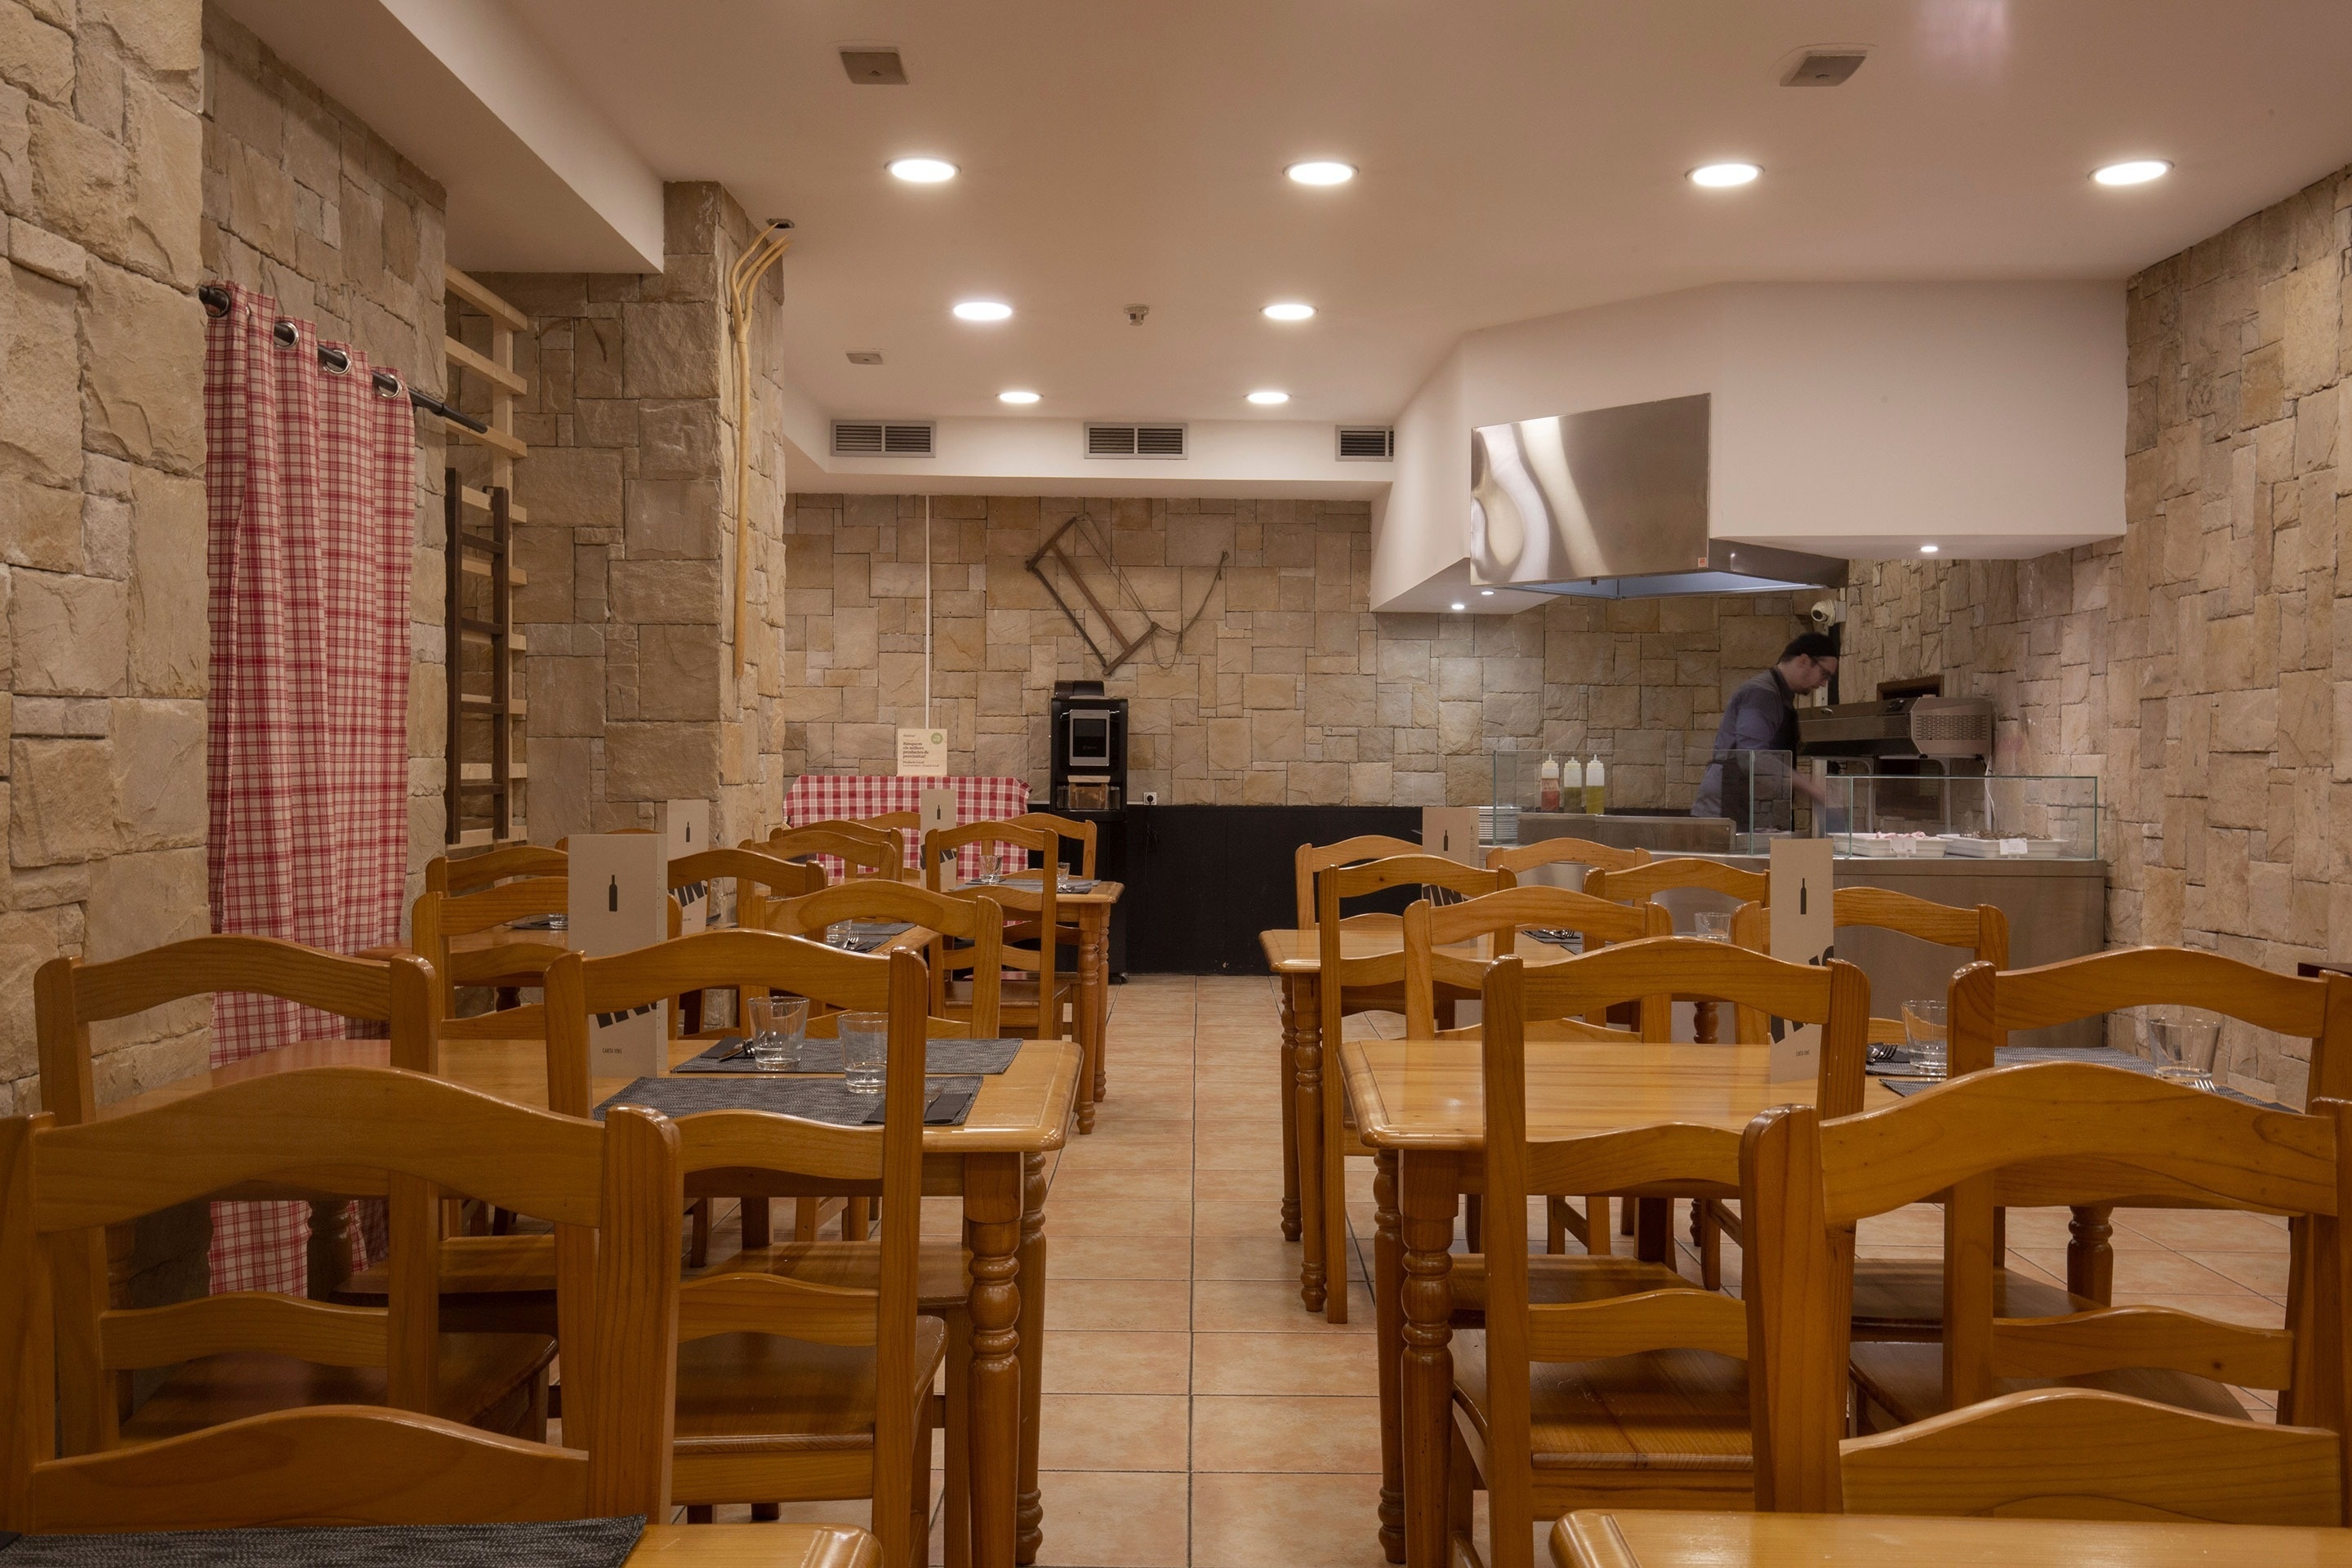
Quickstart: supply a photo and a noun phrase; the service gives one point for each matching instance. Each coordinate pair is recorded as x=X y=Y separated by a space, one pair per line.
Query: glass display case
x=1927 y=815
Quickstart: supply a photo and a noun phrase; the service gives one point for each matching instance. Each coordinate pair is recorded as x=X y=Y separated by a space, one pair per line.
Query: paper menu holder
x=937 y=813
x=619 y=902
x=1804 y=930
x=922 y=753
x=686 y=830
x=1452 y=832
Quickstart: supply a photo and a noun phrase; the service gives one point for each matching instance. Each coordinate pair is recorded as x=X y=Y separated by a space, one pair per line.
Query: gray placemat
x=815 y=1099
x=2026 y=1056
x=1037 y=880
x=1572 y=940
x=566 y=1543
x=986 y=1057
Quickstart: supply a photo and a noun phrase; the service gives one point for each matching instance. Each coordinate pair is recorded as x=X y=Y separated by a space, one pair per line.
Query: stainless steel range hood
x=1613 y=504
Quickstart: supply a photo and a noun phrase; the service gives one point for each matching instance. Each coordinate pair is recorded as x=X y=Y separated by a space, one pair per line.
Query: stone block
x=158 y=758
x=678 y=440
x=1269 y=691
x=61 y=803
x=671 y=351
x=660 y=762
x=166 y=178
x=567 y=695
x=673 y=520
x=169 y=618
x=1278 y=736
x=144 y=396
x=570 y=487
x=40 y=404
x=1340 y=699
x=34 y=56
x=683 y=592
x=40 y=527
x=71 y=633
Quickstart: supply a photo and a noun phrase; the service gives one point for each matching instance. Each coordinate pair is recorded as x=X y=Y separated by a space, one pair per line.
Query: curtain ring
x=280 y=328
x=387 y=383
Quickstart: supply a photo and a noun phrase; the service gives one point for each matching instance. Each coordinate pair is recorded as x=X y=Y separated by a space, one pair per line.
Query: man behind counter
x=1762 y=717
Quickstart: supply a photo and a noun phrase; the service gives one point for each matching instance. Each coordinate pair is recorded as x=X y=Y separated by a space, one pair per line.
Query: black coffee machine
x=1088 y=771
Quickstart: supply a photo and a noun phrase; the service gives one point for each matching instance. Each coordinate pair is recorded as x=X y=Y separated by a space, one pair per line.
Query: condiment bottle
x=1548 y=794
x=1596 y=788
x=1571 y=786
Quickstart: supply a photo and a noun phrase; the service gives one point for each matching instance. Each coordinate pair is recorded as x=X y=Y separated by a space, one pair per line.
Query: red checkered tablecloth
x=820 y=797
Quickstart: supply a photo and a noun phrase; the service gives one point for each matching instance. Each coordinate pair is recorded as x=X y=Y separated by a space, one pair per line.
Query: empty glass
x=776 y=1026
x=864 y=1050
x=1713 y=925
x=2182 y=1042
x=1923 y=1028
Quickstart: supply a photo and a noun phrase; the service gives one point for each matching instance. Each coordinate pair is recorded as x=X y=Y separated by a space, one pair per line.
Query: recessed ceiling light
x=1460 y=605
x=1292 y=311
x=922 y=171
x=1929 y=549
x=1017 y=397
x=1485 y=592
x=1269 y=398
x=2137 y=172
x=1716 y=177
x=982 y=310
x=1321 y=171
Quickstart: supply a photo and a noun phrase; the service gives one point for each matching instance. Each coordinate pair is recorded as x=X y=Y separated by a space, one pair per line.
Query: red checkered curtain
x=309 y=484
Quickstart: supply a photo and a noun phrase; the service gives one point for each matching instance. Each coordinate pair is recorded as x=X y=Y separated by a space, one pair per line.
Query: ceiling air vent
x=1367 y=444
x=1134 y=440
x=876 y=65
x=879 y=438
x=1829 y=66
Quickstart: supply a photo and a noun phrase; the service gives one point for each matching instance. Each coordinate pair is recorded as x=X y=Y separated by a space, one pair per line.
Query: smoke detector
x=874 y=64
x=1825 y=65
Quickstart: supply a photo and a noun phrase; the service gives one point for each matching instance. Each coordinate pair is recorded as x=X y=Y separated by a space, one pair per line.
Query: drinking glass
x=2182 y=1042
x=776 y=1026
x=864 y=1050
x=1713 y=925
x=1923 y=1026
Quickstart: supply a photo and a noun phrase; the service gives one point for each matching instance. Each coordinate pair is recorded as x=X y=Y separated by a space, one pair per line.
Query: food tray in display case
x=1929 y=816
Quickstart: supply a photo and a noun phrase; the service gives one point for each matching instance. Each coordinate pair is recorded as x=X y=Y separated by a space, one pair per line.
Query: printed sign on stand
x=1804 y=930
x=938 y=814
x=1451 y=831
x=620 y=902
x=686 y=830
x=922 y=753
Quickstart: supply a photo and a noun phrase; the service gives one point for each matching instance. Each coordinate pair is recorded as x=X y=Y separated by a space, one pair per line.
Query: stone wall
x=103 y=636
x=304 y=202
x=2201 y=666
x=1286 y=688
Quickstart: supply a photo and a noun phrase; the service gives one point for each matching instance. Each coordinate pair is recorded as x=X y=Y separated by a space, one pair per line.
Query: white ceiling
x=1519 y=157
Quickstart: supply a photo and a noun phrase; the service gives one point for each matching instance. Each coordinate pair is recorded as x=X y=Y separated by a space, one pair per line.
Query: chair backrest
x=1986 y=1004
x=1029 y=912
x=943 y=842
x=1695 y=1159
x=437 y=920
x=1523 y=857
x=2098 y=1135
x=978 y=921
x=1082 y=834
x=1499 y=916
x=862 y=853
x=1639 y=882
x=789 y=1157
x=904 y=821
x=69 y=996
x=1983 y=931
x=760 y=878
x=472 y=873
x=613 y=1191
x=1314 y=859
x=1338 y=977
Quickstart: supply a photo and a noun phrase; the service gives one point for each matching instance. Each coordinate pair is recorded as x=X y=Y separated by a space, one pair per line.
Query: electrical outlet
x=1151 y=797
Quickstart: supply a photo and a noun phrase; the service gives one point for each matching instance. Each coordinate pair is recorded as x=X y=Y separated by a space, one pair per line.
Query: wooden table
x=755 y=1546
x=995 y=1163
x=1422 y=1104
x=1593 y=1539
x=1294 y=955
x=1093 y=907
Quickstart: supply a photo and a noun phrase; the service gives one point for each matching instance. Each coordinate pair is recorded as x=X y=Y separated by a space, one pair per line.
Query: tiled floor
x=1194 y=1414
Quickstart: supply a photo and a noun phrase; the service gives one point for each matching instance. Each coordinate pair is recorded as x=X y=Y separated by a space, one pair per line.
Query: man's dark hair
x=1813 y=645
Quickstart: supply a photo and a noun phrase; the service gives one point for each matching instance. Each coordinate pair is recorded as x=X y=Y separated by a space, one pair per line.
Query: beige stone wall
x=2199 y=666
x=306 y=204
x=1287 y=690
x=102 y=640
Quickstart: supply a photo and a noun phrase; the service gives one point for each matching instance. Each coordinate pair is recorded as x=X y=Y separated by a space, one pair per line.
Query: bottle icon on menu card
x=612 y=895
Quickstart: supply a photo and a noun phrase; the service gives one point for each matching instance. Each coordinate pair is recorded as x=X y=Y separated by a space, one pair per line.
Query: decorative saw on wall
x=1080 y=540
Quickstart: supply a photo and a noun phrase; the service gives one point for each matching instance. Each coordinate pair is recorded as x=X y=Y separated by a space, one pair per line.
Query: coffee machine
x=1088 y=770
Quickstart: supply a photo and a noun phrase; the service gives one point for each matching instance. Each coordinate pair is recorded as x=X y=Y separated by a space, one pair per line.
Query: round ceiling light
x=1485 y=592
x=1460 y=605
x=1721 y=176
x=1321 y=171
x=984 y=310
x=1017 y=397
x=1929 y=549
x=1290 y=311
x=922 y=171
x=2134 y=172
x=1268 y=398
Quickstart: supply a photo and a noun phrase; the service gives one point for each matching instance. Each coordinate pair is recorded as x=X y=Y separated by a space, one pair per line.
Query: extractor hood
x=1612 y=503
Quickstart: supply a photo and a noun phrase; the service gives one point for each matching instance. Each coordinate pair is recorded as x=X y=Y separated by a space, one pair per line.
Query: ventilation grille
x=1134 y=440
x=1367 y=444
x=876 y=438
x=1824 y=67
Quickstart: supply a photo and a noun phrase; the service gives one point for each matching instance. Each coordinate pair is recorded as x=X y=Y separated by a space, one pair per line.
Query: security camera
x=1135 y=314
x=1827 y=612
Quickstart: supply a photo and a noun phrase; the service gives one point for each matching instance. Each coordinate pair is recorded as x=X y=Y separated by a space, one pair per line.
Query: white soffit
x=537 y=178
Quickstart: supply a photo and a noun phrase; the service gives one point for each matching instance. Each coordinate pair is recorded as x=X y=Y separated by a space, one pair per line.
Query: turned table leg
x=1388 y=1321
x=1426 y=1372
x=993 y=1189
x=1288 y=1092
x=2089 y=1260
x=1094 y=966
x=1089 y=1017
x=1306 y=1051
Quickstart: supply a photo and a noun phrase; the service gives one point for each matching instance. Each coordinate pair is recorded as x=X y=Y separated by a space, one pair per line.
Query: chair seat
x=1553 y=1279
x=744 y=1394
x=1682 y=1410
x=485 y=1380
x=943 y=1278
x=490 y=1285
x=1903 y=1298
x=1907 y=1382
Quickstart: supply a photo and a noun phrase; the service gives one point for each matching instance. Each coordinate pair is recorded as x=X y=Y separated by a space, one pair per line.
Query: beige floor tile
x=1085 y=1215
x=1119 y=1363
x=1325 y=1435
x=1262 y=1257
x=2229 y=1307
x=1256 y=1146
x=2205 y=1230
x=1113 y=1431
x=1102 y=1518
x=1092 y=1183
x=1233 y=1216
x=1272 y=1306
x=1260 y=1183
x=1284 y=1364
x=1154 y=1305
x=2146 y=1272
x=2263 y=1271
x=1114 y=1257
x=1287 y=1521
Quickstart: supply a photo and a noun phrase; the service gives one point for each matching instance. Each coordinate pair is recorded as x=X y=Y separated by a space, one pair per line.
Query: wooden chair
x=1345 y=986
x=1983 y=931
x=437 y=922
x=2023 y=1436
x=760 y=878
x=977 y=921
x=863 y=852
x=1066 y=831
x=1641 y=883
x=1524 y=858
x=1599 y=921
x=1598 y=1382
x=472 y=873
x=376 y=1449
x=782 y=1350
x=1044 y=1008
x=1314 y=859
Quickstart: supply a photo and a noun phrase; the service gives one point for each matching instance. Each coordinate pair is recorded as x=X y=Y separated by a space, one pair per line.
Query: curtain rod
x=215 y=304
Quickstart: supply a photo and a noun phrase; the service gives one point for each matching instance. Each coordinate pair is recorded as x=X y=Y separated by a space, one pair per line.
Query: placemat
x=869 y=936
x=825 y=1099
x=565 y=1543
x=1037 y=880
x=986 y=1057
x=2025 y=1056
x=1572 y=940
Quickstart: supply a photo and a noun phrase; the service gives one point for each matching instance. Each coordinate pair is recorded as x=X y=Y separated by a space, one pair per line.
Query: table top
x=1296 y=952
x=755 y=1546
x=1658 y=1540
x=1103 y=893
x=1431 y=1094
